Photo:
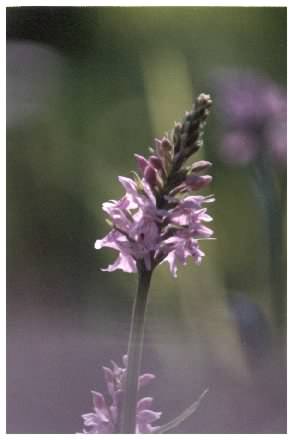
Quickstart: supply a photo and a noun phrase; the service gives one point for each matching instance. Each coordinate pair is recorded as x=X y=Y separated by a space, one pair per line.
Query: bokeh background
x=86 y=89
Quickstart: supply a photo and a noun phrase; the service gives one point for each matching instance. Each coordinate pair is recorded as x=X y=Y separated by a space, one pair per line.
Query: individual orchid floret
x=194 y=182
x=188 y=218
x=142 y=221
x=105 y=418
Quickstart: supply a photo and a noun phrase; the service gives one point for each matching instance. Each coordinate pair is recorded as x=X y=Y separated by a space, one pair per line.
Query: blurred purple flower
x=238 y=147
x=154 y=221
x=254 y=114
x=106 y=416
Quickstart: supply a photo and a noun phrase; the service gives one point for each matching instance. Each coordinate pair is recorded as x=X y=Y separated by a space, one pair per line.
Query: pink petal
x=128 y=184
x=147 y=416
x=141 y=161
x=144 y=403
x=124 y=262
x=171 y=260
x=98 y=400
x=125 y=360
x=144 y=379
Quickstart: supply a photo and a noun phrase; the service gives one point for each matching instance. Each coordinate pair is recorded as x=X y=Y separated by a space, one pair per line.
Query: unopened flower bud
x=199 y=166
x=163 y=147
x=141 y=162
x=198 y=182
x=150 y=176
x=166 y=144
x=156 y=162
x=203 y=98
x=177 y=128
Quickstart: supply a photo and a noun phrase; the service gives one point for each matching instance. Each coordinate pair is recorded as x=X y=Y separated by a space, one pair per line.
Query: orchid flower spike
x=159 y=218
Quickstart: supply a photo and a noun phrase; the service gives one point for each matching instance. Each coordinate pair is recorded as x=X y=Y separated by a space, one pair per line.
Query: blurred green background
x=86 y=89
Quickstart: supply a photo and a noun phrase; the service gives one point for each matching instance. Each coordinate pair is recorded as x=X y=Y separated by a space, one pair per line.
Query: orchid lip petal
x=148 y=416
x=144 y=379
x=144 y=403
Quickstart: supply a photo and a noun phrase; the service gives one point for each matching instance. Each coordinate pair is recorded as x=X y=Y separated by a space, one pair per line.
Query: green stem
x=135 y=345
x=273 y=218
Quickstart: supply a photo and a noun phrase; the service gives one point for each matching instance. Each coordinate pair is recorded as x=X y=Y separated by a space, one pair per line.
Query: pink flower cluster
x=142 y=231
x=158 y=219
x=105 y=418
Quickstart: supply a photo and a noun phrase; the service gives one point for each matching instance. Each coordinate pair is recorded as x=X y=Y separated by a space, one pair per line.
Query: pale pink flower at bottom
x=106 y=415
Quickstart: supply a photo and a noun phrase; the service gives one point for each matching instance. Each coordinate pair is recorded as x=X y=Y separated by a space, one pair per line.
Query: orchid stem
x=135 y=346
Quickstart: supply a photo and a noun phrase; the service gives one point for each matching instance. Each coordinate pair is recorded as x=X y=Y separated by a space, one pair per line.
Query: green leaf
x=182 y=417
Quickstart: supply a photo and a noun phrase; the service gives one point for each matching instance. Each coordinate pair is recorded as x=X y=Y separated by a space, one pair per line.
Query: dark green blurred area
x=86 y=89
